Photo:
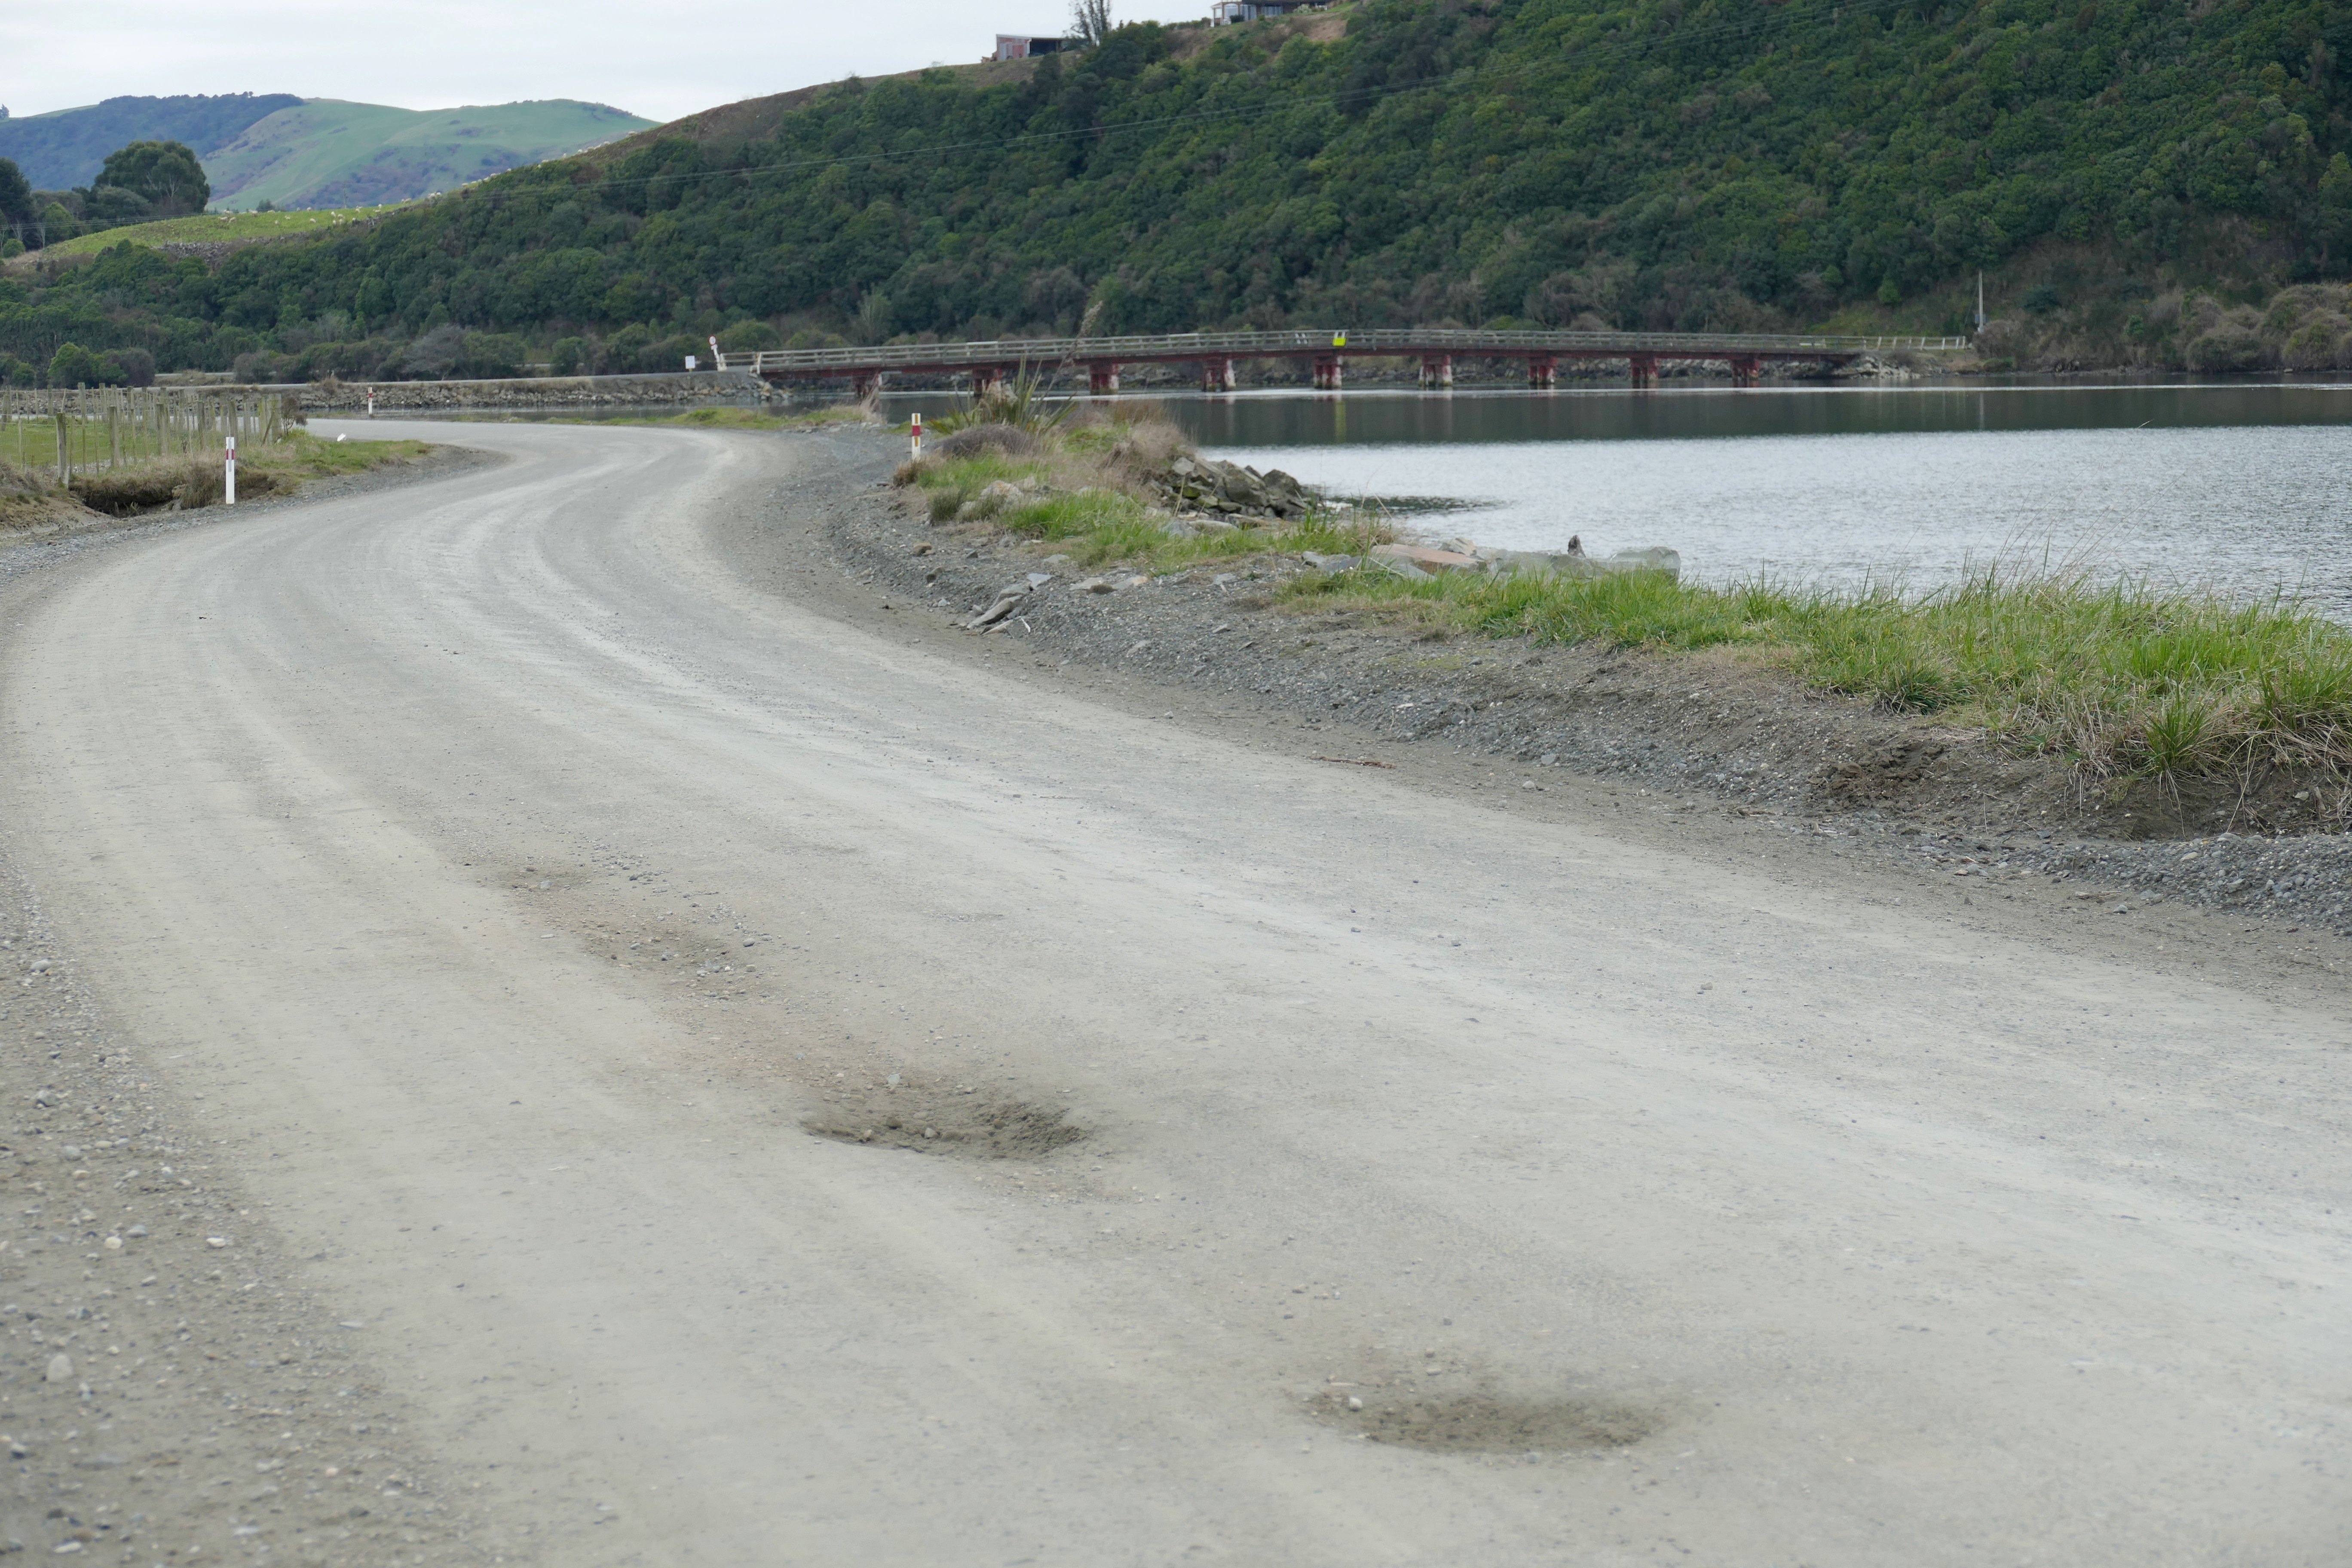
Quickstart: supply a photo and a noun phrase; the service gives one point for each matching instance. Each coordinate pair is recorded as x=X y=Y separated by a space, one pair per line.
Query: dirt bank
x=63 y=522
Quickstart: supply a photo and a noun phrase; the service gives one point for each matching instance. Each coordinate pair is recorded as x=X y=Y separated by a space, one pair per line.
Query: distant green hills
x=64 y=149
x=315 y=152
x=328 y=153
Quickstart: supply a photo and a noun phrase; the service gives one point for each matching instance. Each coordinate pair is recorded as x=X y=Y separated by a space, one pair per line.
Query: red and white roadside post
x=919 y=434
x=717 y=360
x=370 y=402
x=228 y=476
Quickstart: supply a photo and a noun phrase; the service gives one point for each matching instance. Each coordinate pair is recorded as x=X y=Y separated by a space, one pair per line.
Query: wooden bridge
x=988 y=364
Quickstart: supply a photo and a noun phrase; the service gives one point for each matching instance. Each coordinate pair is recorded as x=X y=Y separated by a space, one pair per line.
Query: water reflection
x=2240 y=485
x=1292 y=418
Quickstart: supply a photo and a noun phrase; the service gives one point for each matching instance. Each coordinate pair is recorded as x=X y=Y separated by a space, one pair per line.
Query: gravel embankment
x=1703 y=726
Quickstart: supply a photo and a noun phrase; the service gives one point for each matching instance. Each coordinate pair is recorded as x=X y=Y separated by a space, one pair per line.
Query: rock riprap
x=1232 y=489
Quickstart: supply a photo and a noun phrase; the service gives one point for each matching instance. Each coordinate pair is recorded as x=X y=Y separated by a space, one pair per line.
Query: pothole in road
x=1482 y=1422
x=935 y=1121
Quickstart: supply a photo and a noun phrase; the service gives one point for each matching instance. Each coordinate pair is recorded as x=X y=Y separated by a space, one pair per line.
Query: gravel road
x=773 y=1079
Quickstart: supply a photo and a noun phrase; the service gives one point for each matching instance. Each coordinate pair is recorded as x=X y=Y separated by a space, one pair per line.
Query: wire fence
x=91 y=430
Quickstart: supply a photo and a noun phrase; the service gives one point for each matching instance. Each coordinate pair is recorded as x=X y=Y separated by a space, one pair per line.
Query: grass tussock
x=2124 y=680
x=1080 y=485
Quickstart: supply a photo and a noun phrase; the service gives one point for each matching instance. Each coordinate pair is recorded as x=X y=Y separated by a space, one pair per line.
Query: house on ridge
x=1010 y=47
x=1229 y=11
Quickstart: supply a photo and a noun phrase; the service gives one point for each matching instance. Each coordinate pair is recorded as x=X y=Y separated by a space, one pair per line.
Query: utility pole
x=1981 y=315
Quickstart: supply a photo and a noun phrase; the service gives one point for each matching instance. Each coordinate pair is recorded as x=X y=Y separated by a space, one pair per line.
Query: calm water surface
x=2244 y=486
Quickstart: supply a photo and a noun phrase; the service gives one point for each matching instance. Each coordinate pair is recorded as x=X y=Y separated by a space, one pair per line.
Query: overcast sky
x=660 y=61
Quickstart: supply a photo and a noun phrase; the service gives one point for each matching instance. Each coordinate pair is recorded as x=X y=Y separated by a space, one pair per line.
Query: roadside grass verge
x=284 y=464
x=2122 y=680
x=1083 y=487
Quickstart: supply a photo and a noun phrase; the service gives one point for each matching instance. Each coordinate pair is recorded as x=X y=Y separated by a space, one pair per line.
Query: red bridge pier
x=1437 y=371
x=1326 y=373
x=1102 y=378
x=1643 y=369
x=1216 y=375
x=1543 y=373
x=1743 y=370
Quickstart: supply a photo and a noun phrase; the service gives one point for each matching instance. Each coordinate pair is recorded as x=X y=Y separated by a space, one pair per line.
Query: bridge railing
x=1322 y=343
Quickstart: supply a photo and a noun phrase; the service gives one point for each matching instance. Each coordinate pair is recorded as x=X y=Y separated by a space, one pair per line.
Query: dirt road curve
x=518 y=876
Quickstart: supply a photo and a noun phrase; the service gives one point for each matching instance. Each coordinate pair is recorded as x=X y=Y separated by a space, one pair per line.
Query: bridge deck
x=1390 y=342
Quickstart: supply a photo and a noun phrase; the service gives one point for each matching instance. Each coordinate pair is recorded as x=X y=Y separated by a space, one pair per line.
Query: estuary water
x=2241 y=486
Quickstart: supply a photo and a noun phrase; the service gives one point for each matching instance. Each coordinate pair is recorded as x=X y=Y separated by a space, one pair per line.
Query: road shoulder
x=1647 y=757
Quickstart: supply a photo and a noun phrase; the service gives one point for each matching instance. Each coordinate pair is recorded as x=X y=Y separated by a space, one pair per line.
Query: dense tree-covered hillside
x=1671 y=164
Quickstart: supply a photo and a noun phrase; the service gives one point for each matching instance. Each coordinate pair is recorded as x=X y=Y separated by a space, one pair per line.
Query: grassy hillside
x=2139 y=169
x=327 y=154
x=210 y=228
x=64 y=149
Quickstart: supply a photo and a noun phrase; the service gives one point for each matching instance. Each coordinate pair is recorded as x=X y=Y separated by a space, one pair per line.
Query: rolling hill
x=64 y=149
x=312 y=153
x=328 y=153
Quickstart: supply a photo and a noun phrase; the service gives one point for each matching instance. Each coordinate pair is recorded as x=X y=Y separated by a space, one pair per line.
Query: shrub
x=492 y=355
x=2229 y=346
x=569 y=357
x=74 y=366
x=669 y=354
x=371 y=359
x=621 y=353
x=436 y=354
x=261 y=366
x=749 y=337
x=974 y=439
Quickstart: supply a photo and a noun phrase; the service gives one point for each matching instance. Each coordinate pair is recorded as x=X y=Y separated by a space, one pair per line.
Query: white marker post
x=370 y=402
x=919 y=434
x=717 y=360
x=230 y=478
